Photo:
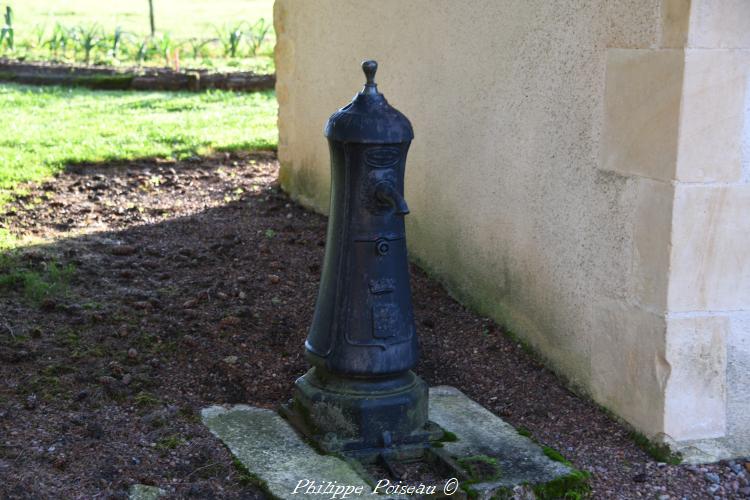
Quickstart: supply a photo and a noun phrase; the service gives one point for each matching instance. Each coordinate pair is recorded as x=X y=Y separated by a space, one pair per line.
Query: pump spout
x=389 y=195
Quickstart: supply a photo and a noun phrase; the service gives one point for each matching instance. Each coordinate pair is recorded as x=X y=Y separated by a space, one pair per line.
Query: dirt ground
x=194 y=284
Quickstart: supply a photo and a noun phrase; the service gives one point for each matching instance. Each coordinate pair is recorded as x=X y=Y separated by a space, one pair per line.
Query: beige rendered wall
x=579 y=172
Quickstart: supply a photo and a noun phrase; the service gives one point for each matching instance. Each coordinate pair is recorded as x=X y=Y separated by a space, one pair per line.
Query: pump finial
x=370 y=67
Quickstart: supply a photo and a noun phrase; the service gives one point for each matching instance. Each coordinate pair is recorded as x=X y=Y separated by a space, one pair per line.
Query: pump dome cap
x=369 y=118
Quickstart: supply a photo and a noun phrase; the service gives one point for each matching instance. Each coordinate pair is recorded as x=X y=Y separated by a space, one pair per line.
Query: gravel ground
x=194 y=284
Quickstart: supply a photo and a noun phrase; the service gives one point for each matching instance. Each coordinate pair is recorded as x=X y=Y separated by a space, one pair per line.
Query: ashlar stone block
x=642 y=108
x=720 y=24
x=629 y=370
x=652 y=227
x=712 y=115
x=695 y=396
x=738 y=395
x=710 y=268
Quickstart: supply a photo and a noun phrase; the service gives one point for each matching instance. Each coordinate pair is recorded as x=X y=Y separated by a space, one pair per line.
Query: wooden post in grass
x=151 y=16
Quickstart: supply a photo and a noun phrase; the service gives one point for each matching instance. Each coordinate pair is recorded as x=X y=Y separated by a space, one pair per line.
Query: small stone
x=640 y=477
x=123 y=250
x=156 y=418
x=713 y=488
x=151 y=264
x=747 y=466
x=96 y=318
x=132 y=353
x=31 y=402
x=116 y=368
x=127 y=379
x=143 y=305
x=94 y=430
x=48 y=304
x=244 y=312
x=81 y=395
x=20 y=355
x=199 y=491
x=428 y=322
x=107 y=380
x=190 y=303
x=230 y=360
x=664 y=497
x=122 y=331
x=745 y=491
x=712 y=477
x=74 y=309
x=229 y=321
x=273 y=278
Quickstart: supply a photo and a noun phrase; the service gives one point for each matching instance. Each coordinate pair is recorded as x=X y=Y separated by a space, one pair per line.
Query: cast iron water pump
x=361 y=396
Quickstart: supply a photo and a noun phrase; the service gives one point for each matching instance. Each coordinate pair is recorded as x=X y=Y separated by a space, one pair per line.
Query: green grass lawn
x=201 y=30
x=182 y=18
x=46 y=128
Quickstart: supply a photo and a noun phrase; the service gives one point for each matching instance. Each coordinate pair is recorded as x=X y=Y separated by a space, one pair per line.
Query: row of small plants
x=93 y=44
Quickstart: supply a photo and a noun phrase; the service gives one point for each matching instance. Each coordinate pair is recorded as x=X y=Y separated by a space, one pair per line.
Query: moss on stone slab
x=470 y=492
x=658 y=451
x=525 y=433
x=247 y=478
x=480 y=468
x=573 y=486
x=555 y=455
x=448 y=437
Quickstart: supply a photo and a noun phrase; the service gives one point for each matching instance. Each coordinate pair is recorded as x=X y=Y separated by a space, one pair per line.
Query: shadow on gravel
x=167 y=287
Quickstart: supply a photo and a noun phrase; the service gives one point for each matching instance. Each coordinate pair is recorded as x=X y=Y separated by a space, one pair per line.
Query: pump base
x=362 y=418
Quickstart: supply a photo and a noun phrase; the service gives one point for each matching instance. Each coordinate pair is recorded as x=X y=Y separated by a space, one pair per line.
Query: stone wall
x=577 y=174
